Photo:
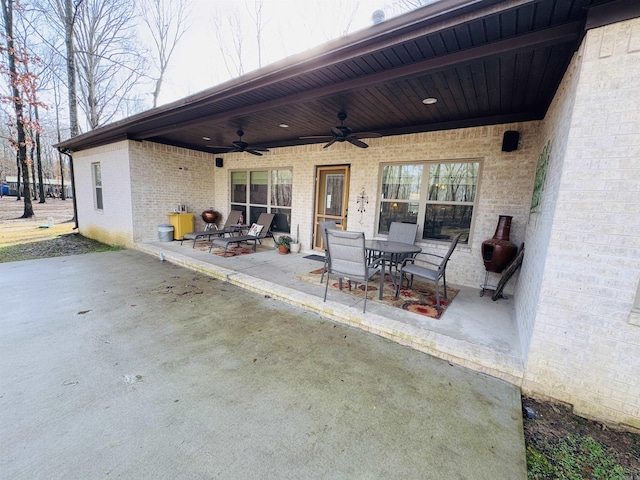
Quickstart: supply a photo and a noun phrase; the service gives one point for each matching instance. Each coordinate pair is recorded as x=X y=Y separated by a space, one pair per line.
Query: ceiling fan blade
x=357 y=142
x=366 y=135
x=254 y=151
x=316 y=137
x=331 y=142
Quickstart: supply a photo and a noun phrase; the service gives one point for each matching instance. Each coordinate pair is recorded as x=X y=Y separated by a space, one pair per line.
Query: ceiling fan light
x=429 y=100
x=283 y=125
x=206 y=139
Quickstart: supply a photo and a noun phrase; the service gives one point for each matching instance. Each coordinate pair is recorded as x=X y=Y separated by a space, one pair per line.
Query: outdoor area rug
x=232 y=251
x=420 y=299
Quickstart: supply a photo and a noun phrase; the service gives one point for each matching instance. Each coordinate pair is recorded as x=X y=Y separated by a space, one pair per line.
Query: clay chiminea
x=498 y=251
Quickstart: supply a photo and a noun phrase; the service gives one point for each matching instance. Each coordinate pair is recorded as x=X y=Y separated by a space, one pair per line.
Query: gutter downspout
x=67 y=152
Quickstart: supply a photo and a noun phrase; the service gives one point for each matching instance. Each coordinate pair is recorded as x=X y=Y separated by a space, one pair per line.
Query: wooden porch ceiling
x=486 y=62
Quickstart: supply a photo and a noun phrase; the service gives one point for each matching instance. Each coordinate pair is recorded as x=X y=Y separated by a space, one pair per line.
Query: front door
x=332 y=199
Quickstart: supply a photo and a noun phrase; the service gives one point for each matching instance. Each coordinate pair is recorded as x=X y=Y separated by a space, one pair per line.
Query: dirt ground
x=552 y=423
x=52 y=218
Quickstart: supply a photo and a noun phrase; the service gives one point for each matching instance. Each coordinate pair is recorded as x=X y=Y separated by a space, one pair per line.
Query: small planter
x=283 y=242
x=294 y=247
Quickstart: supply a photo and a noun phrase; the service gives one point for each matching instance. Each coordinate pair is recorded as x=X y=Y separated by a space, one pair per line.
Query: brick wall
x=506 y=183
x=163 y=177
x=583 y=348
x=113 y=225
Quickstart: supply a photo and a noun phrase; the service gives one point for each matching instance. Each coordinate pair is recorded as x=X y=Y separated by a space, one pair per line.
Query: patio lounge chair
x=264 y=221
x=428 y=269
x=227 y=228
x=348 y=259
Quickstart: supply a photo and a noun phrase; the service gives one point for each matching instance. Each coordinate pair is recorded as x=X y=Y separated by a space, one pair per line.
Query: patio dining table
x=388 y=251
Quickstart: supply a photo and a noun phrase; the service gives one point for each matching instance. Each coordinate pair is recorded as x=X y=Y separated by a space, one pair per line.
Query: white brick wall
x=113 y=225
x=583 y=350
x=163 y=177
x=505 y=185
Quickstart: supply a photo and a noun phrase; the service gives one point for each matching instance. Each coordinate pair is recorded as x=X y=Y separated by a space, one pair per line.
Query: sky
x=290 y=26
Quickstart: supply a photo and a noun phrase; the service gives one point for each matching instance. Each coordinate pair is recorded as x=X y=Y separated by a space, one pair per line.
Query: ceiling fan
x=240 y=146
x=342 y=133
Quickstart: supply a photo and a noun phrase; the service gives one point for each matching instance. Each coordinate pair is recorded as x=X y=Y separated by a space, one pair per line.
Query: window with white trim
x=263 y=191
x=439 y=197
x=96 y=175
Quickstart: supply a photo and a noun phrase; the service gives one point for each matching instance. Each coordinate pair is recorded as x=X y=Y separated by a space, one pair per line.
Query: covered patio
x=471 y=111
x=474 y=331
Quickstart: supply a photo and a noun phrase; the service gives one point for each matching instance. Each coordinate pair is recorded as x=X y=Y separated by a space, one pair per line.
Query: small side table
x=182 y=223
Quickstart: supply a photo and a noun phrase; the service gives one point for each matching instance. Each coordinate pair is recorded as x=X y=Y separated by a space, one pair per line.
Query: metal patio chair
x=428 y=270
x=401 y=233
x=347 y=260
x=323 y=226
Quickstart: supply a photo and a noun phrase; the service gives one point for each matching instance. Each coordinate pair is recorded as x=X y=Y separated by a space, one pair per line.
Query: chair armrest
x=376 y=262
x=419 y=260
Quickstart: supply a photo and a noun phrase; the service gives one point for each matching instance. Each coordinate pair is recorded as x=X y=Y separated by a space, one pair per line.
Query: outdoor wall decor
x=541 y=172
x=362 y=200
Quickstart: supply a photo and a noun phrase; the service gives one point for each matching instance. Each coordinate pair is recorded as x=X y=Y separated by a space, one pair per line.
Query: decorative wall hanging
x=541 y=172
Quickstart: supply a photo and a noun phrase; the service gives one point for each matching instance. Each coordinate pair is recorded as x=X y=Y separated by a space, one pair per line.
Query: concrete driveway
x=117 y=365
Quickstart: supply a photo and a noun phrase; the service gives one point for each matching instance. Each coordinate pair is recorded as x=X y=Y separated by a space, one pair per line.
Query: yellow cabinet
x=182 y=223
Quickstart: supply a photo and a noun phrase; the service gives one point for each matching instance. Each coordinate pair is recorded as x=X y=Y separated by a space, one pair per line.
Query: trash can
x=165 y=232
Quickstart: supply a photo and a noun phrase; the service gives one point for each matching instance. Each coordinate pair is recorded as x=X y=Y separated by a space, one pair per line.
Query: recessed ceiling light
x=283 y=125
x=206 y=138
x=429 y=101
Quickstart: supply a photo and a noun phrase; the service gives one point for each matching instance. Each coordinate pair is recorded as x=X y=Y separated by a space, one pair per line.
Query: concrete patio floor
x=474 y=332
x=117 y=365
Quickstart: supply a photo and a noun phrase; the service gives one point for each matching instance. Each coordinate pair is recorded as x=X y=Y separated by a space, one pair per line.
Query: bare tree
x=20 y=86
x=230 y=42
x=109 y=63
x=256 y=16
x=167 y=21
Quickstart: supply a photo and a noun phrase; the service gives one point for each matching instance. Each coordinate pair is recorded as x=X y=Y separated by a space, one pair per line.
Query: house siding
x=583 y=349
x=113 y=224
x=504 y=178
x=162 y=177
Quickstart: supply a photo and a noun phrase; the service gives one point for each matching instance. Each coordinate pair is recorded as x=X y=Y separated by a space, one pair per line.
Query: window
x=438 y=196
x=97 y=186
x=263 y=191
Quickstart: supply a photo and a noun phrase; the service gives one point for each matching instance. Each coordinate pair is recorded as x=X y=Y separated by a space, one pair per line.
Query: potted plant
x=295 y=245
x=283 y=242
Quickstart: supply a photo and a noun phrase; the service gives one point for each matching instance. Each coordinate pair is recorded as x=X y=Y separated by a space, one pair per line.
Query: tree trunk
x=18 y=182
x=73 y=100
x=63 y=195
x=39 y=160
x=33 y=176
x=71 y=66
x=7 y=10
